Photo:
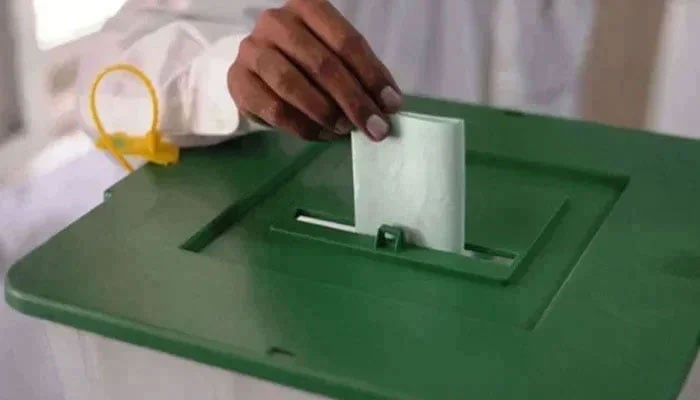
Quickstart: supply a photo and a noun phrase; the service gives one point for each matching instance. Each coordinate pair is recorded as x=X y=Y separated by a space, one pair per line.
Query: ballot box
x=236 y=274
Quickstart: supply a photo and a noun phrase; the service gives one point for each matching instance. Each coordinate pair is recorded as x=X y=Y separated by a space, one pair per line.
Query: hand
x=306 y=69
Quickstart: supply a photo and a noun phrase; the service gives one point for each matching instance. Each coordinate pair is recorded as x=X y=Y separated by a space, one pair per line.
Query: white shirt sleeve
x=211 y=109
x=189 y=72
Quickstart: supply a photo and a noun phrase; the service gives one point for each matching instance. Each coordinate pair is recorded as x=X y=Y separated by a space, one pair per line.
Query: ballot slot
x=496 y=256
x=308 y=219
x=518 y=210
x=513 y=215
x=480 y=258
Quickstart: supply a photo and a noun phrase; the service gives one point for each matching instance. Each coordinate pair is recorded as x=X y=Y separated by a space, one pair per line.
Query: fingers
x=305 y=69
x=254 y=97
x=290 y=84
x=287 y=32
x=328 y=24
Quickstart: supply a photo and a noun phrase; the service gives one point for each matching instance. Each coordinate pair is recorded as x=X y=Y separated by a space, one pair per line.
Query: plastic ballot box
x=213 y=278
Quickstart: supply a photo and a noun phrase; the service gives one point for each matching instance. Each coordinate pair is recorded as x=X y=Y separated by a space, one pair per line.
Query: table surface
x=205 y=260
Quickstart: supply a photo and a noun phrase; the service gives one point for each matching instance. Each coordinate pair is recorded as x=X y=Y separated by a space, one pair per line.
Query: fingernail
x=377 y=127
x=343 y=126
x=391 y=99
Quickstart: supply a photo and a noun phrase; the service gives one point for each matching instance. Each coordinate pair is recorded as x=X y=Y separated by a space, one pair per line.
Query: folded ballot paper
x=414 y=179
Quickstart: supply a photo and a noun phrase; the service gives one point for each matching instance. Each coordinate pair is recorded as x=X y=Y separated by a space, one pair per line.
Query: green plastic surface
x=206 y=260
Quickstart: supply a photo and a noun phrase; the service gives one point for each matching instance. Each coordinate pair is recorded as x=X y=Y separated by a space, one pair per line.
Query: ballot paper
x=414 y=179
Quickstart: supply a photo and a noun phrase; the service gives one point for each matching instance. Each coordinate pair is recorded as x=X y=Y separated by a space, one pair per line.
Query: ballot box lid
x=580 y=276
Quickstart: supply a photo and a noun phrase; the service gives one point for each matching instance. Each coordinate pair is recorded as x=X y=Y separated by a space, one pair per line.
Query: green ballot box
x=579 y=279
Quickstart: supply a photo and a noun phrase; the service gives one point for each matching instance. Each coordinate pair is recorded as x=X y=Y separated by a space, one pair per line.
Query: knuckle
x=297 y=38
x=325 y=112
x=321 y=117
x=247 y=51
x=237 y=91
x=239 y=100
x=326 y=66
x=328 y=117
x=263 y=59
x=284 y=79
x=293 y=4
x=301 y=4
x=233 y=78
x=269 y=16
x=277 y=24
x=276 y=113
x=375 y=79
x=247 y=47
x=274 y=17
x=351 y=44
x=356 y=107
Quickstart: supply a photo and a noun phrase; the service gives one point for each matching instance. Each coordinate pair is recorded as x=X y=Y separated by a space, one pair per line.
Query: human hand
x=307 y=70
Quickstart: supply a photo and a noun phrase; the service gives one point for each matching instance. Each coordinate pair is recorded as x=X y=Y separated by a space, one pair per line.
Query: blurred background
x=65 y=30
x=86 y=17
x=32 y=206
x=641 y=70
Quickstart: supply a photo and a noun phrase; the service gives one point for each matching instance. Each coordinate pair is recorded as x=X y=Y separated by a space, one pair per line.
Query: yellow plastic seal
x=150 y=146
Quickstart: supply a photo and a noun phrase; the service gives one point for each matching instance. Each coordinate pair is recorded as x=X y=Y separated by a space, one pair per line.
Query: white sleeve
x=188 y=70
x=211 y=109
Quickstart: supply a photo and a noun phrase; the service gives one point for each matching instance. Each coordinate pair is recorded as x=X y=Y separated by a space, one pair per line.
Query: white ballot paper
x=414 y=179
